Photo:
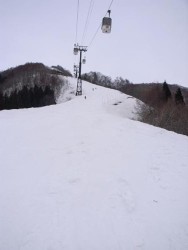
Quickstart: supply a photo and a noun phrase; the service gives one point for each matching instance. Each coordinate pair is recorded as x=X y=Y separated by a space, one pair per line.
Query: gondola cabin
x=106 y=25
x=75 y=51
x=84 y=61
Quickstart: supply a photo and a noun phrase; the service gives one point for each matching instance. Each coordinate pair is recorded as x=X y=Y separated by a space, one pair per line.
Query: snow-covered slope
x=82 y=176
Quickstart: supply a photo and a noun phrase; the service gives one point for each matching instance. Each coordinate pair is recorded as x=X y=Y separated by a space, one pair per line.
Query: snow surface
x=81 y=175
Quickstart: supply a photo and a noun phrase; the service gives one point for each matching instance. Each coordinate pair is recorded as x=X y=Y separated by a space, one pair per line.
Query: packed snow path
x=82 y=176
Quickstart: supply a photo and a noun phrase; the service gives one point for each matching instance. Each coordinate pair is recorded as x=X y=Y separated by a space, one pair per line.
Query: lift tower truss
x=76 y=70
x=79 y=79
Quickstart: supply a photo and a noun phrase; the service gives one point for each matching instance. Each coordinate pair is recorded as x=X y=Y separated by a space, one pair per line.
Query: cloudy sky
x=148 y=42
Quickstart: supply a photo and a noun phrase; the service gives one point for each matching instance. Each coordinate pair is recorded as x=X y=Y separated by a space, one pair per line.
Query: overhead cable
x=87 y=19
x=78 y=3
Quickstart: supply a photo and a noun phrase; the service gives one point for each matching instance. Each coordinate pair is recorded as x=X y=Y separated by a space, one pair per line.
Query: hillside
x=142 y=91
x=83 y=175
x=30 y=75
x=31 y=85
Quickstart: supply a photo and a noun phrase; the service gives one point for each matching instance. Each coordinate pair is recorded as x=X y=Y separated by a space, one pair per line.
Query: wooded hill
x=30 y=85
x=163 y=105
x=146 y=92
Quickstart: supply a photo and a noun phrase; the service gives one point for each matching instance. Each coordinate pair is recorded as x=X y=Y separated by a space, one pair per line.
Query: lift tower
x=76 y=70
x=79 y=49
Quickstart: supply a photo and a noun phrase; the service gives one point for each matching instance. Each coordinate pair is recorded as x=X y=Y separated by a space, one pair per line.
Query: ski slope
x=81 y=175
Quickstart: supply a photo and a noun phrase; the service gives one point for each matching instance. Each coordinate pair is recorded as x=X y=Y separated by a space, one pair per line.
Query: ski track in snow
x=81 y=175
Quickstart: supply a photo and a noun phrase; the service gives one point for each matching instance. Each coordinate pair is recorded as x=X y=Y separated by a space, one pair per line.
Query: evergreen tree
x=179 y=97
x=166 y=91
x=1 y=101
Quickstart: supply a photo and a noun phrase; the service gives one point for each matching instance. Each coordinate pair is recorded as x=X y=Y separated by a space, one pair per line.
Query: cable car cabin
x=84 y=61
x=106 y=25
x=75 y=51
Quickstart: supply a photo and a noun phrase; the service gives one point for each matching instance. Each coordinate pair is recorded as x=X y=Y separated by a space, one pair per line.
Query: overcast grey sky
x=148 y=42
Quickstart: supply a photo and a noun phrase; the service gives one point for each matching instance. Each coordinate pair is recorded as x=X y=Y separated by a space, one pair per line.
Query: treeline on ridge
x=30 y=85
x=160 y=104
x=27 y=98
